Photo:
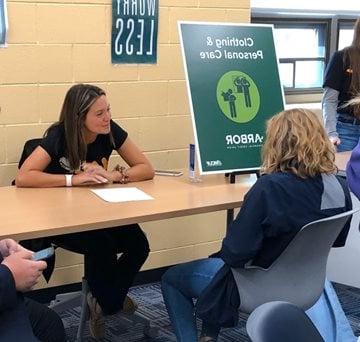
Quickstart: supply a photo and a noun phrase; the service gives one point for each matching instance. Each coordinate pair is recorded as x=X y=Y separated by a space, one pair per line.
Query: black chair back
x=29 y=147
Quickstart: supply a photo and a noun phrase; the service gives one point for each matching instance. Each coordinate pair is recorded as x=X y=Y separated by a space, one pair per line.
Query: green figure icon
x=238 y=96
x=242 y=86
x=231 y=98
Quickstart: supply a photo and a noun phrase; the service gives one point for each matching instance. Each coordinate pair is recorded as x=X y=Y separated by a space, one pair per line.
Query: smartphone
x=168 y=173
x=44 y=254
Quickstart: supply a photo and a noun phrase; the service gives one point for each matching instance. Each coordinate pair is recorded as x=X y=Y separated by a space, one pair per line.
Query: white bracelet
x=68 y=180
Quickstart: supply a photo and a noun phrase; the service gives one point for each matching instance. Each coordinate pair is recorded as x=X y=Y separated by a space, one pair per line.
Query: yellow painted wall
x=55 y=43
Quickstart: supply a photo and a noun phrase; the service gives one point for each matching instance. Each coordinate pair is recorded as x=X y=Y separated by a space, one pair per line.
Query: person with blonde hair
x=298 y=185
x=341 y=85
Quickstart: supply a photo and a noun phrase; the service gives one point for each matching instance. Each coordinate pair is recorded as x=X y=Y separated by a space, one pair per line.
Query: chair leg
x=138 y=318
x=65 y=301
x=84 y=311
x=135 y=318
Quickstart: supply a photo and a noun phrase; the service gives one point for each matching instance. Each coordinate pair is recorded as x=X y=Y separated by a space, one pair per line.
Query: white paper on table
x=115 y=195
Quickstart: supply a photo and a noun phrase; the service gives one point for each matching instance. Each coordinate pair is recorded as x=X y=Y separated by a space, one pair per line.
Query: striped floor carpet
x=152 y=306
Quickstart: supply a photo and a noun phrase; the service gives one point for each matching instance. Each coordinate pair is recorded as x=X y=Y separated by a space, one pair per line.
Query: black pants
x=109 y=276
x=30 y=321
x=45 y=323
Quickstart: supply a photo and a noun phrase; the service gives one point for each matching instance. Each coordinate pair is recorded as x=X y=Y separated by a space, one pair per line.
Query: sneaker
x=129 y=306
x=96 y=321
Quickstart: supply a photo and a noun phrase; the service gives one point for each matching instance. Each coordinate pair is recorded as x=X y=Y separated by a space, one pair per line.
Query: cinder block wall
x=56 y=43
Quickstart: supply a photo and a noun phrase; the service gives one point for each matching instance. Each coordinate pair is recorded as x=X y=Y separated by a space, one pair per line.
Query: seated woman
x=75 y=151
x=298 y=185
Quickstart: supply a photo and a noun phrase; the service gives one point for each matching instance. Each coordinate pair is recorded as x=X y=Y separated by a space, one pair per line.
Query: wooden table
x=29 y=213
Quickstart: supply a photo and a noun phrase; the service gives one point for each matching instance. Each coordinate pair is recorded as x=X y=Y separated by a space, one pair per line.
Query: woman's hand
x=111 y=176
x=335 y=140
x=91 y=167
x=88 y=178
x=139 y=166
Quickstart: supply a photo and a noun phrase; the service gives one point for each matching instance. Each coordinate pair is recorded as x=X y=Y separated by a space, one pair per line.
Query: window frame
x=293 y=21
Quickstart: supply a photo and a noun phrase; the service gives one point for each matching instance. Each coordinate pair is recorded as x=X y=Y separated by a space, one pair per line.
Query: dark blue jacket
x=273 y=211
x=14 y=320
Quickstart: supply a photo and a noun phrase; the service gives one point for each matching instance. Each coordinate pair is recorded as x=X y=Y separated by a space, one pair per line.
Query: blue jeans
x=329 y=318
x=349 y=135
x=180 y=284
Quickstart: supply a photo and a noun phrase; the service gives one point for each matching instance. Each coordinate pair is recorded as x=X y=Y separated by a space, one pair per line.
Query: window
x=346 y=30
x=301 y=49
x=304 y=44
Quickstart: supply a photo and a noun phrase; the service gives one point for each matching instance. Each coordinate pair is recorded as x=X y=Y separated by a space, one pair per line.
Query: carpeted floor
x=152 y=306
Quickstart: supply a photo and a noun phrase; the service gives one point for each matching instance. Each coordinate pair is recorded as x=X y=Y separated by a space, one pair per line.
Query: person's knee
x=46 y=324
x=170 y=276
x=141 y=245
x=55 y=331
x=144 y=243
x=57 y=327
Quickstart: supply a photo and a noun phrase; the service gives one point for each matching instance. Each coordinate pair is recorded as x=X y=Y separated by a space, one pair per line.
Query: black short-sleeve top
x=98 y=151
x=338 y=76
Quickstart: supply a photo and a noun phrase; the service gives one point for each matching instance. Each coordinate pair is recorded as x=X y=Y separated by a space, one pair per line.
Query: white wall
x=343 y=263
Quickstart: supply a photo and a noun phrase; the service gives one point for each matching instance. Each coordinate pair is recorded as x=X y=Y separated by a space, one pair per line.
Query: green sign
x=234 y=88
x=3 y=22
x=134 y=31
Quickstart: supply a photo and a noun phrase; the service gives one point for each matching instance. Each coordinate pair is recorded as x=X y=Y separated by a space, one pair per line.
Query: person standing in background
x=341 y=85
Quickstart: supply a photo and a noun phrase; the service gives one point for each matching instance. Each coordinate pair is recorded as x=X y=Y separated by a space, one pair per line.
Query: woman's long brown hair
x=77 y=103
x=352 y=61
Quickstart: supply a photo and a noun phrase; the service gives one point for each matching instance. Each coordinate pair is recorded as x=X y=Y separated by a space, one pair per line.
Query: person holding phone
x=75 y=151
x=22 y=319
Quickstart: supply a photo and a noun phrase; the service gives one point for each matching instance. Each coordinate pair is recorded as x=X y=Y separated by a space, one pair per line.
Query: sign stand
x=232 y=178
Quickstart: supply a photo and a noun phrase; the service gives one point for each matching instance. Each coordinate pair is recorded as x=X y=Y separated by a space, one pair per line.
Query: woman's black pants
x=109 y=274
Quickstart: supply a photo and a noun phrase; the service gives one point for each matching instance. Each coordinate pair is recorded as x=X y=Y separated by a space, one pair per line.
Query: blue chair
x=298 y=274
x=281 y=321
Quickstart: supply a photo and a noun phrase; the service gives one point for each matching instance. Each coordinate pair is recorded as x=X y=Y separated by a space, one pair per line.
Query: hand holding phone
x=43 y=254
x=25 y=270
